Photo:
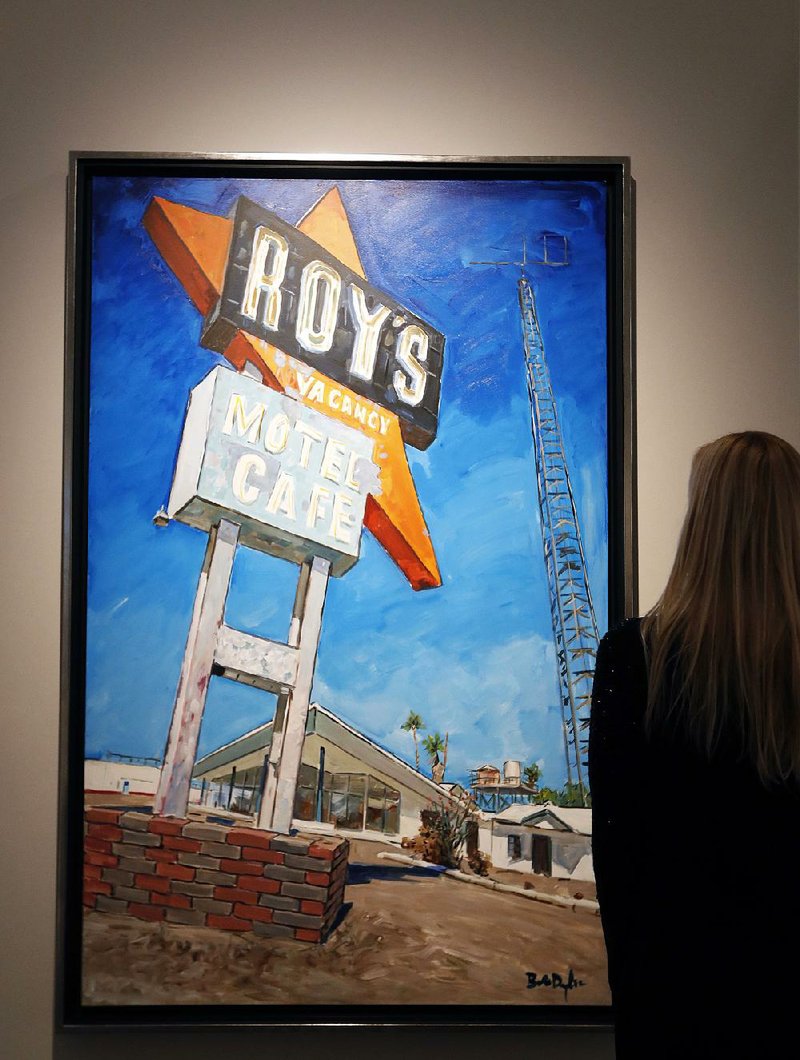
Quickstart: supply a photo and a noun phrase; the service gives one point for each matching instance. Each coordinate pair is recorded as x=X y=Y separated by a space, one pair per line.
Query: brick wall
x=192 y=872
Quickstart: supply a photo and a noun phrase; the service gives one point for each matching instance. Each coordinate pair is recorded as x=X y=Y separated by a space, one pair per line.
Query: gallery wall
x=702 y=94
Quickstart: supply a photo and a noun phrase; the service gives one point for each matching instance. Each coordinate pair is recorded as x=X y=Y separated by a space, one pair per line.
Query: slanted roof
x=517 y=813
x=578 y=818
x=565 y=819
x=258 y=739
x=333 y=728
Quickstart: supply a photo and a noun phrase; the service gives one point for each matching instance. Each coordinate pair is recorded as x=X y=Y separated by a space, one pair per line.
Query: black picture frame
x=614 y=173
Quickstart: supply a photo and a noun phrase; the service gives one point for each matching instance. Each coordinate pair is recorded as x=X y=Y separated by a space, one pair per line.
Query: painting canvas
x=348 y=477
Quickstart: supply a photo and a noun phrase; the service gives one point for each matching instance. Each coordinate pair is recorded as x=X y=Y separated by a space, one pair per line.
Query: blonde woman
x=694 y=765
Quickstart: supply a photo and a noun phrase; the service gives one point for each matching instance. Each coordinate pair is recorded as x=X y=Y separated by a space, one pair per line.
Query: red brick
x=188 y=846
x=308 y=934
x=146 y=912
x=227 y=923
x=273 y=857
x=91 y=872
x=169 y=857
x=97 y=846
x=96 y=887
x=152 y=883
x=254 y=912
x=240 y=867
x=233 y=894
x=166 y=826
x=109 y=832
x=89 y=899
x=176 y=901
x=249 y=837
x=258 y=883
x=106 y=861
x=317 y=850
x=318 y=879
x=308 y=906
x=175 y=872
x=100 y=816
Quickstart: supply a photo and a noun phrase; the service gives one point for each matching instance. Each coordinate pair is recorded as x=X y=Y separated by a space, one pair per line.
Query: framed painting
x=348 y=505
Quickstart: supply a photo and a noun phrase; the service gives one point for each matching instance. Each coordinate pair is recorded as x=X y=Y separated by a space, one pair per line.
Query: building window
x=514 y=847
x=383 y=807
x=357 y=801
x=305 y=799
x=343 y=800
x=243 y=790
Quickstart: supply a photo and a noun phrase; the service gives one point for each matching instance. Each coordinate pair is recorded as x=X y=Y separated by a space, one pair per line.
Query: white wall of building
x=571 y=853
x=101 y=776
x=702 y=96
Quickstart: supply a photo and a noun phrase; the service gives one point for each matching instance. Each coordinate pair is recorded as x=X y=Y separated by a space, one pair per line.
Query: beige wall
x=702 y=94
x=110 y=776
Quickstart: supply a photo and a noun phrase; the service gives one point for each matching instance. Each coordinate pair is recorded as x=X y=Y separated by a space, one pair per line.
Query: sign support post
x=172 y=798
x=267 y=804
x=277 y=805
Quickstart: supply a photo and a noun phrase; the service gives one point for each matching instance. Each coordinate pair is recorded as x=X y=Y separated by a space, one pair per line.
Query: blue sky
x=474 y=657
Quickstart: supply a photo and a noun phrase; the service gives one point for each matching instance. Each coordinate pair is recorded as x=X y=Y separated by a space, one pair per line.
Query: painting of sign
x=285 y=288
x=294 y=480
x=349 y=458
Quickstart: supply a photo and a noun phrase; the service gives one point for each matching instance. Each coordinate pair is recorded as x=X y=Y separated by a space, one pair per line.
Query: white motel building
x=347 y=782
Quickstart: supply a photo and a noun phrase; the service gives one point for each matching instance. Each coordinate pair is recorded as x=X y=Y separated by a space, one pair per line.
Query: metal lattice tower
x=571 y=608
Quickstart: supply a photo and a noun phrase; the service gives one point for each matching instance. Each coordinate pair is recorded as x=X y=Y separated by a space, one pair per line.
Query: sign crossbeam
x=258 y=661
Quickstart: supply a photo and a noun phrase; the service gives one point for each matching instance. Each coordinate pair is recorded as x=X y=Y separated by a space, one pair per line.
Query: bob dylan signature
x=555 y=981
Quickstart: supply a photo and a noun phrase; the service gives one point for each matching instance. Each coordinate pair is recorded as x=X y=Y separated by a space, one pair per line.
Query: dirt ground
x=546 y=884
x=406 y=936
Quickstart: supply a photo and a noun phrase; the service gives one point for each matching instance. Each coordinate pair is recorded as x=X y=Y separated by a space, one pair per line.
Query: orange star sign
x=196 y=247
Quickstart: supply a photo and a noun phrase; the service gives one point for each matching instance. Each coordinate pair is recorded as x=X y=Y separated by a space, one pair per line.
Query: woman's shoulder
x=624 y=644
x=620 y=682
x=628 y=631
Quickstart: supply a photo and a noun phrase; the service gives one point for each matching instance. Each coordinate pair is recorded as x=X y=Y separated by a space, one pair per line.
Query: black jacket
x=698 y=878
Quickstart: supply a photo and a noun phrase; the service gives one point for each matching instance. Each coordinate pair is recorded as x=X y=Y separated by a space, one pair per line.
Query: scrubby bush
x=444 y=831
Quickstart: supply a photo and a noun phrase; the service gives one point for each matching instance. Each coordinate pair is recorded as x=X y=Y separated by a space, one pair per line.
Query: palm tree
x=433 y=744
x=532 y=774
x=413 y=724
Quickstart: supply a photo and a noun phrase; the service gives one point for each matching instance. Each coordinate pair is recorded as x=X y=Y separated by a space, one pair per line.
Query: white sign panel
x=295 y=480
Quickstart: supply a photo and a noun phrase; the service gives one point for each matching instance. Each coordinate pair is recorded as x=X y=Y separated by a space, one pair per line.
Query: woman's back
x=698 y=872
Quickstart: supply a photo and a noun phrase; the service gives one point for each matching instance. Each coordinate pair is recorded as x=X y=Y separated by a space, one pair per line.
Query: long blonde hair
x=724 y=638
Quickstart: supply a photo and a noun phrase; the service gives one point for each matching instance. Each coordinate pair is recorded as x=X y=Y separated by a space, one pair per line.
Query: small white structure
x=127 y=778
x=548 y=839
x=119 y=776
